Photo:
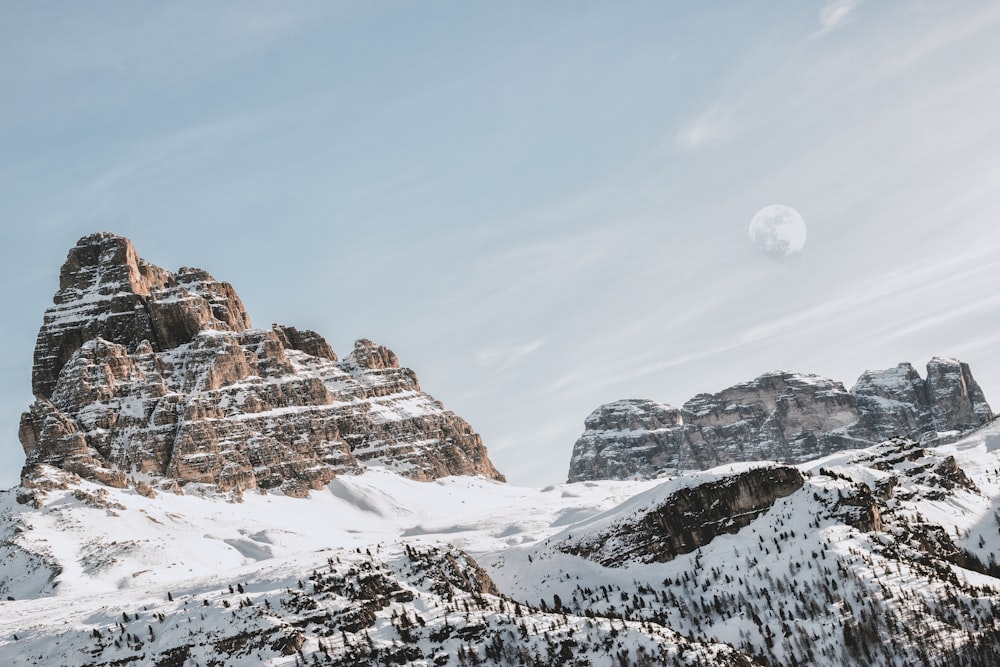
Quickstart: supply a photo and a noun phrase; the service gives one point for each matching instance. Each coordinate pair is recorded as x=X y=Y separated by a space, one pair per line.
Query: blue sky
x=539 y=206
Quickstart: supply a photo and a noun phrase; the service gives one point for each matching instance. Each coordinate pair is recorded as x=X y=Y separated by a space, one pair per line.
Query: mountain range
x=143 y=376
x=200 y=492
x=791 y=417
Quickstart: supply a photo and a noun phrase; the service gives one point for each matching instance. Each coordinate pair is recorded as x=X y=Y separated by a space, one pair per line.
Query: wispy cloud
x=950 y=317
x=959 y=30
x=502 y=358
x=834 y=14
x=184 y=144
x=905 y=284
x=714 y=127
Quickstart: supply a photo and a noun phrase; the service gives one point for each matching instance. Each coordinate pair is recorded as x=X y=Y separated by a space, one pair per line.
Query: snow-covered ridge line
x=682 y=515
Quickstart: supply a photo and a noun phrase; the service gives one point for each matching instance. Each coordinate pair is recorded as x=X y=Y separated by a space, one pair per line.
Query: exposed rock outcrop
x=690 y=517
x=780 y=416
x=915 y=472
x=898 y=402
x=956 y=401
x=142 y=371
x=789 y=417
x=625 y=439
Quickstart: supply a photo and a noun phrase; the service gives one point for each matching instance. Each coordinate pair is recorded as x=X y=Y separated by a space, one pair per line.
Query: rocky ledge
x=142 y=376
x=665 y=526
x=788 y=417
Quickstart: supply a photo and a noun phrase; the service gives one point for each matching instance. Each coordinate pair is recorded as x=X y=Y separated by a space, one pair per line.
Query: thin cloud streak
x=182 y=145
x=923 y=322
x=714 y=127
x=835 y=14
x=61 y=43
x=944 y=35
x=501 y=359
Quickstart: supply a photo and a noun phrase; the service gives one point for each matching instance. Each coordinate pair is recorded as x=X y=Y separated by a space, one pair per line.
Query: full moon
x=778 y=230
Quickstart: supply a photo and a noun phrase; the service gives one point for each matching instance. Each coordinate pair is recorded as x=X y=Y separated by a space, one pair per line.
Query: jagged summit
x=903 y=403
x=107 y=291
x=791 y=417
x=140 y=372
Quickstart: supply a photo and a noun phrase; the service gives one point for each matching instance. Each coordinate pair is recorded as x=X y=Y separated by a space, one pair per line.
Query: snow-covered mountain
x=883 y=556
x=790 y=417
x=370 y=567
x=181 y=505
x=880 y=556
x=143 y=376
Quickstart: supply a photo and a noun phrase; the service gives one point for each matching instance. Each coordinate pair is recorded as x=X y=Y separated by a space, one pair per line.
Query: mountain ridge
x=142 y=373
x=784 y=416
x=880 y=556
x=160 y=519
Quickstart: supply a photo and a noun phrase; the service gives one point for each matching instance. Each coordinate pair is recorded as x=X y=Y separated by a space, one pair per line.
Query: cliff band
x=147 y=375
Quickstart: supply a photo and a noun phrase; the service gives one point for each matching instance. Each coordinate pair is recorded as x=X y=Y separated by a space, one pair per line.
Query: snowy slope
x=800 y=585
x=107 y=539
x=808 y=581
x=186 y=567
x=392 y=605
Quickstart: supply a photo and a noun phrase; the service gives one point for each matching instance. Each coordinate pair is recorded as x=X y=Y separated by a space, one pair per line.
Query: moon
x=778 y=230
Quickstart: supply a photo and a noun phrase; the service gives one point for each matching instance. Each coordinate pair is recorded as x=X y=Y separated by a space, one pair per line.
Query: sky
x=540 y=207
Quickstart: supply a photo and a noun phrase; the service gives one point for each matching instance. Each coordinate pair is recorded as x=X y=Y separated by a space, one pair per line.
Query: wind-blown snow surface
x=140 y=542
x=799 y=585
x=110 y=575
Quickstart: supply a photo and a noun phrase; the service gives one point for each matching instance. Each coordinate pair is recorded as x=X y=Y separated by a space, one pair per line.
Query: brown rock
x=141 y=370
x=107 y=291
x=305 y=340
x=370 y=356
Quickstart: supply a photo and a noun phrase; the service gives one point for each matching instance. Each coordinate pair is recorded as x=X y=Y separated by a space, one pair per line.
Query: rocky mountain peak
x=634 y=415
x=902 y=382
x=104 y=263
x=141 y=371
x=107 y=291
x=305 y=340
x=956 y=400
x=899 y=402
x=372 y=356
x=790 y=417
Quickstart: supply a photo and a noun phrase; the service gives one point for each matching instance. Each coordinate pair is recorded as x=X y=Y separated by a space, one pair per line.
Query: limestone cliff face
x=956 y=401
x=139 y=371
x=778 y=416
x=107 y=291
x=898 y=402
x=678 y=523
x=895 y=399
x=626 y=439
x=789 y=417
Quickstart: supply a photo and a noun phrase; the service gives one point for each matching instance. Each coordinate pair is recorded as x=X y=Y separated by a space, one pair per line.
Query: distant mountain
x=149 y=378
x=789 y=417
x=885 y=556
